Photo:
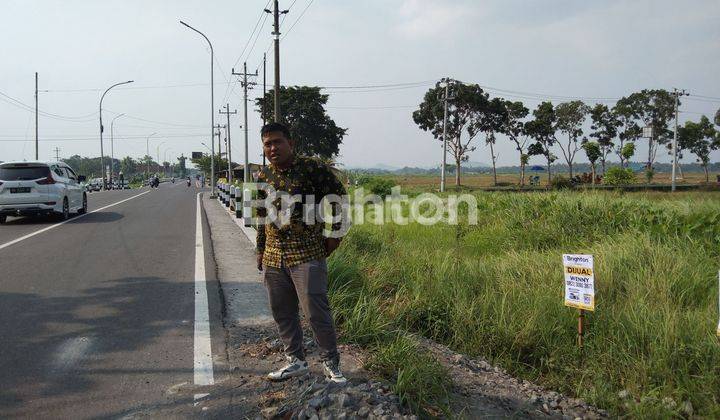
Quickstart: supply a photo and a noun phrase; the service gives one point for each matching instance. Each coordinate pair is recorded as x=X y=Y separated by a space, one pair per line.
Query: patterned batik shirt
x=296 y=242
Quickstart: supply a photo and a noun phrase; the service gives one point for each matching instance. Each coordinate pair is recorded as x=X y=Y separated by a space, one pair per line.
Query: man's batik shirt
x=296 y=242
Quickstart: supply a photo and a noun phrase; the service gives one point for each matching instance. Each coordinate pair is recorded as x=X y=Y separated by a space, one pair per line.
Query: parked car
x=40 y=188
x=95 y=184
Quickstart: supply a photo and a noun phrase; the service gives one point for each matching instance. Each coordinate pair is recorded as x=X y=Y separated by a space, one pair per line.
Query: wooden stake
x=581 y=319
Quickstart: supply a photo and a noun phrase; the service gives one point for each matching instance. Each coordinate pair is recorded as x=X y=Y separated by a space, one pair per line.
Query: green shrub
x=376 y=185
x=559 y=182
x=619 y=176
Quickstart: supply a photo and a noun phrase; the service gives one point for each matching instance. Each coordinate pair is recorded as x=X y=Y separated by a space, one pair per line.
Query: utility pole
x=37 y=154
x=264 y=87
x=57 y=154
x=219 y=136
x=445 y=113
x=229 y=144
x=147 y=155
x=246 y=85
x=276 y=32
x=676 y=93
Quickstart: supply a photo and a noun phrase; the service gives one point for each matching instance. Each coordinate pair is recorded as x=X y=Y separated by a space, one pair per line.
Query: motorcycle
x=154 y=183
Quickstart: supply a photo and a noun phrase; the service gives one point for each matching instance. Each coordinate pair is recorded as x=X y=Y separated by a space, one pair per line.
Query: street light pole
x=112 y=147
x=37 y=151
x=102 y=163
x=147 y=155
x=158 y=153
x=165 y=160
x=212 y=109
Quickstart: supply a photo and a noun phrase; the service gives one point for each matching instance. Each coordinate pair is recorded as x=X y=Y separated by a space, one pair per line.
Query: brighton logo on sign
x=579 y=281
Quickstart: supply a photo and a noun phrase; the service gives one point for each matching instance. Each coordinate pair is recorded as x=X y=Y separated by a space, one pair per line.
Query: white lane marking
x=203 y=364
x=70 y=352
x=80 y=216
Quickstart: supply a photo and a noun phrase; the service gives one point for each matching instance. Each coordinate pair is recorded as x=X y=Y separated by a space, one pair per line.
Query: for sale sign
x=579 y=281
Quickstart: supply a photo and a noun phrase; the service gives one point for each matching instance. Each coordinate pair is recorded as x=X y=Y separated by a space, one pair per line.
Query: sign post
x=579 y=287
x=718 y=327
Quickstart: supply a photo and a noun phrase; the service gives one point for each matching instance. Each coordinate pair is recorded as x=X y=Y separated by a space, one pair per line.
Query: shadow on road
x=99 y=217
x=30 y=220
x=55 y=348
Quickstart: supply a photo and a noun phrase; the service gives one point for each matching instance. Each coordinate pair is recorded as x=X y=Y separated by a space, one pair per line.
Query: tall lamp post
x=158 y=153
x=212 y=109
x=147 y=155
x=165 y=160
x=112 y=147
x=102 y=163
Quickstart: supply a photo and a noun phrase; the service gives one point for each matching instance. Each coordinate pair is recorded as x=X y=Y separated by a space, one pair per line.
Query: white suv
x=40 y=188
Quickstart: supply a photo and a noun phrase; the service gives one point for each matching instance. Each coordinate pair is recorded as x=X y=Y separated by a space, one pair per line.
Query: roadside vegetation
x=495 y=290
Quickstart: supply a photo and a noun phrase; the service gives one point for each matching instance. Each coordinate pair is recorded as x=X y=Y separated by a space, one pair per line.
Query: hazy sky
x=556 y=49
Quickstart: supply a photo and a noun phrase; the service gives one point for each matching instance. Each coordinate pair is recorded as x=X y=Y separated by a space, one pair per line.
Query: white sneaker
x=332 y=371
x=295 y=367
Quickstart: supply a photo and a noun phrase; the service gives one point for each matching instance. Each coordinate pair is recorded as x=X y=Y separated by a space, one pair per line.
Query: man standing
x=293 y=254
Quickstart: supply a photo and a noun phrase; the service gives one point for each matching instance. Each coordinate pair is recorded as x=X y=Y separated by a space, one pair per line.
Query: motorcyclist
x=188 y=182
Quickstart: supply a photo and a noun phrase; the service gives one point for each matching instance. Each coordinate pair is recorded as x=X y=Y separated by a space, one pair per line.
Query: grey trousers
x=305 y=286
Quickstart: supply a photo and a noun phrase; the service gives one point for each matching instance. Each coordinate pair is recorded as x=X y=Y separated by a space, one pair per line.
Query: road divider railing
x=238 y=203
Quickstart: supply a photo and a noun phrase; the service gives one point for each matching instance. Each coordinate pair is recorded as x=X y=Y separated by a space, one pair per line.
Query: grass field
x=472 y=181
x=495 y=290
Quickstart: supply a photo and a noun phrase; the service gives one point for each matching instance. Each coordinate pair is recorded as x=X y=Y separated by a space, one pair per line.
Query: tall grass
x=495 y=290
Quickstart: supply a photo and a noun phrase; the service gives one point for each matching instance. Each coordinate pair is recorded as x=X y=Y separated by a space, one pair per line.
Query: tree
x=303 y=110
x=148 y=162
x=128 y=166
x=182 y=166
x=514 y=128
x=627 y=152
x=570 y=117
x=593 y=153
x=628 y=129
x=717 y=117
x=542 y=129
x=605 y=124
x=203 y=164
x=491 y=122
x=464 y=110
x=654 y=108
x=701 y=139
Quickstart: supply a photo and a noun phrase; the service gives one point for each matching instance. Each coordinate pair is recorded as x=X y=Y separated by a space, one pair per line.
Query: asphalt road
x=99 y=313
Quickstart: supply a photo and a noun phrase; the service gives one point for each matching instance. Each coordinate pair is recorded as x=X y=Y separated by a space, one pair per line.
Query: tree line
x=551 y=128
x=130 y=167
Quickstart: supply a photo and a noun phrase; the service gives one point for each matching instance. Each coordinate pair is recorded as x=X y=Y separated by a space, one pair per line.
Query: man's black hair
x=275 y=127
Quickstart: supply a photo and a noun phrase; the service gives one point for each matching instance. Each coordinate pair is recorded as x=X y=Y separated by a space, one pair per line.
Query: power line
x=262 y=15
x=373 y=107
x=298 y=19
x=52 y=139
x=263 y=18
x=706 y=97
x=19 y=104
x=156 y=122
